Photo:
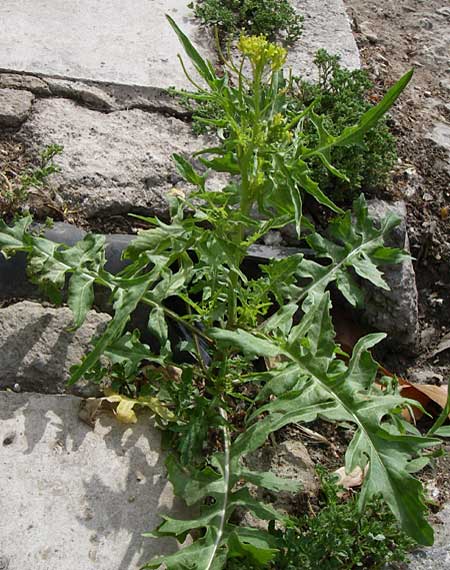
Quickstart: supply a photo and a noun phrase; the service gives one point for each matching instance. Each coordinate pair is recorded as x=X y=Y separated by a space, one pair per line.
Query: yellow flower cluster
x=259 y=50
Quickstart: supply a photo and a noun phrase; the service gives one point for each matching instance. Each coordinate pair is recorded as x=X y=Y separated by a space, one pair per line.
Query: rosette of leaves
x=233 y=319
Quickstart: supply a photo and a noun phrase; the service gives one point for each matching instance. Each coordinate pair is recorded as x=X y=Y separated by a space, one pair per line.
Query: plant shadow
x=109 y=480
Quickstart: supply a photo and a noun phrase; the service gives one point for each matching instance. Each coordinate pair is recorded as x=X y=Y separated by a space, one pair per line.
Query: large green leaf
x=203 y=67
x=126 y=300
x=355 y=133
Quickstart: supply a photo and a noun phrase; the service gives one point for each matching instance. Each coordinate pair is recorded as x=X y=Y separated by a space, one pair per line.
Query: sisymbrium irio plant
x=224 y=404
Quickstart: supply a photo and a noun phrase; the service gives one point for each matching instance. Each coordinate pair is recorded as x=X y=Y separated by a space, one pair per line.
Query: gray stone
x=326 y=25
x=112 y=163
x=76 y=497
x=98 y=40
x=290 y=460
x=438 y=556
x=20 y=81
x=396 y=311
x=89 y=95
x=440 y=136
x=37 y=349
x=15 y=106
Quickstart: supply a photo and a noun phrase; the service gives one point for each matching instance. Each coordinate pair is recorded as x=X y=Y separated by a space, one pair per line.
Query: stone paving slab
x=132 y=43
x=113 y=163
x=76 y=497
x=327 y=26
x=129 y=43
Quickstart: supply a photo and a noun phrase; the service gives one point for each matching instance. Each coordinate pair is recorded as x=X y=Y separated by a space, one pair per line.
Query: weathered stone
x=37 y=348
x=289 y=459
x=76 y=497
x=440 y=136
x=326 y=25
x=438 y=556
x=15 y=106
x=86 y=40
x=89 y=95
x=396 y=311
x=112 y=163
x=99 y=40
x=20 y=81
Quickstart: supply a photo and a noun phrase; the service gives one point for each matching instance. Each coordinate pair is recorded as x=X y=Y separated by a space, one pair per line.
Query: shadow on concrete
x=122 y=489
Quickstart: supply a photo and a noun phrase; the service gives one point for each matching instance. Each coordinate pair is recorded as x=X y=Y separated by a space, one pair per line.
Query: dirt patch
x=393 y=37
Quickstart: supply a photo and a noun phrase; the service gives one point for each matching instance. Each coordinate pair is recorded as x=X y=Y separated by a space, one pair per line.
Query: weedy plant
x=275 y=19
x=221 y=404
x=340 y=97
x=14 y=192
x=338 y=537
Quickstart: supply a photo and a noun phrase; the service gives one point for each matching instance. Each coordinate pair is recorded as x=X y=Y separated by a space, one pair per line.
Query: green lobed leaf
x=126 y=301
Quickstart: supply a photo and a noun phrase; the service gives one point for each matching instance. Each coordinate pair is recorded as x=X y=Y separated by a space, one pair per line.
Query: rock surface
x=438 y=556
x=15 y=106
x=85 y=40
x=89 y=95
x=440 y=135
x=326 y=25
x=396 y=311
x=112 y=163
x=98 y=40
x=37 y=349
x=76 y=497
x=290 y=460
x=20 y=81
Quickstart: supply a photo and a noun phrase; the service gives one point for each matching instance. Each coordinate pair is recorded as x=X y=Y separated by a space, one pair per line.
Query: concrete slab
x=129 y=43
x=326 y=26
x=76 y=497
x=113 y=43
x=113 y=163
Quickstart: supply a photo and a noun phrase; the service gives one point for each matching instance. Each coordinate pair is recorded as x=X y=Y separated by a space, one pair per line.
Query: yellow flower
x=278 y=120
x=259 y=50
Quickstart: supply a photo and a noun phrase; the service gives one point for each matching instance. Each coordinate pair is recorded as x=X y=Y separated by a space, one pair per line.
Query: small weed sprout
x=14 y=192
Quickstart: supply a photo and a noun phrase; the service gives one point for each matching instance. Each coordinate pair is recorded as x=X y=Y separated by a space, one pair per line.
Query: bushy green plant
x=338 y=537
x=221 y=405
x=342 y=98
x=271 y=18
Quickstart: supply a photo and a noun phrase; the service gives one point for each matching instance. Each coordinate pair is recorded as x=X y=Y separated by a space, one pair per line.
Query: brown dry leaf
x=353 y=479
x=425 y=394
